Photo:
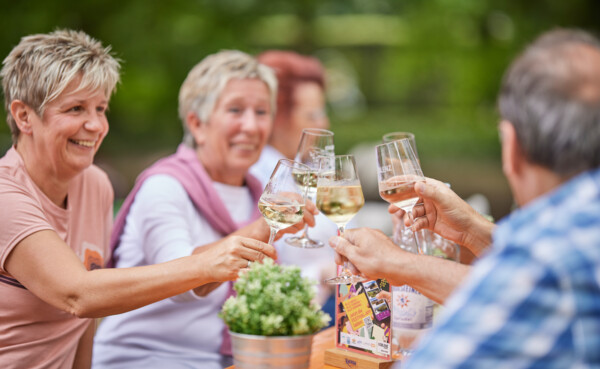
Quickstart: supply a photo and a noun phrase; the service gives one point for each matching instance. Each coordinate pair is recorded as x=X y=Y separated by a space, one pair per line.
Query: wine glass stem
x=419 y=250
x=346 y=266
x=305 y=232
x=272 y=236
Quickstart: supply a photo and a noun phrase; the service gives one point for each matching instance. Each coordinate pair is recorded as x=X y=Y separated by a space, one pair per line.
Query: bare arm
x=57 y=276
x=376 y=256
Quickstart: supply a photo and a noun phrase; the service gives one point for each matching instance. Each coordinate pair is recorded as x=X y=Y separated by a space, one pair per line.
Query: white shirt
x=183 y=331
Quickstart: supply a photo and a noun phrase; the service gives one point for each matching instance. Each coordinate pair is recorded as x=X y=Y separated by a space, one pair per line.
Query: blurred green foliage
x=432 y=67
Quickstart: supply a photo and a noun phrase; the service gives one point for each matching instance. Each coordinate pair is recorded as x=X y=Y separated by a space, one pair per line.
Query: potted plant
x=273 y=317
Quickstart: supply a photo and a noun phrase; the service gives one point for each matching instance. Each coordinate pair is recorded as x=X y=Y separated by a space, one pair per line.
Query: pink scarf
x=187 y=169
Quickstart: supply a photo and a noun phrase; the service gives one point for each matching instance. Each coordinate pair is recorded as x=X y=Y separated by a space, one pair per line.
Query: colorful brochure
x=363 y=318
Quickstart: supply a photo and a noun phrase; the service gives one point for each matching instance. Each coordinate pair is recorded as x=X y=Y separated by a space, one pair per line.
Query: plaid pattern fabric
x=534 y=300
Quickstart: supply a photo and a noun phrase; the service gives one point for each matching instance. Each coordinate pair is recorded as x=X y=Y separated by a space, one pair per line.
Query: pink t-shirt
x=34 y=334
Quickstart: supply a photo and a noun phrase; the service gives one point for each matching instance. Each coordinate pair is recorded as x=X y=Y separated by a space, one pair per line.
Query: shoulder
x=163 y=185
x=159 y=191
x=93 y=182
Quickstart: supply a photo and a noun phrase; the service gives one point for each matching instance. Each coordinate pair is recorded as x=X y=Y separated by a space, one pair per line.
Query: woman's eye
x=101 y=109
x=234 y=110
x=76 y=108
x=261 y=112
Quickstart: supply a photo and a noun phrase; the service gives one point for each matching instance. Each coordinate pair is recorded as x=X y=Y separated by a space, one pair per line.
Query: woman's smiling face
x=231 y=141
x=67 y=136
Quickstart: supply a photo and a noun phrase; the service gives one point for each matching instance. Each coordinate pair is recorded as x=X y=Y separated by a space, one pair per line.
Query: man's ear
x=195 y=127
x=513 y=156
x=22 y=114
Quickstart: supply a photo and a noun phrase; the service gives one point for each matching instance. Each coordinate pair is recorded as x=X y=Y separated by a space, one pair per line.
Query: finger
x=309 y=218
x=339 y=259
x=311 y=207
x=419 y=209
x=340 y=245
x=261 y=248
x=353 y=269
x=392 y=209
x=420 y=223
x=350 y=235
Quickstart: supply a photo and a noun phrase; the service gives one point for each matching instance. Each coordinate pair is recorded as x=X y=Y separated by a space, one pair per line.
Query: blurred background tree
x=431 y=67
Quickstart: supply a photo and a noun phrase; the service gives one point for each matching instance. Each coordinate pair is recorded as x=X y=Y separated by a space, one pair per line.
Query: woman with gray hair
x=56 y=215
x=183 y=202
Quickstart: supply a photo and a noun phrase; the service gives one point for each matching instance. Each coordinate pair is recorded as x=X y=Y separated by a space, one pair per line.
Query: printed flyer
x=363 y=318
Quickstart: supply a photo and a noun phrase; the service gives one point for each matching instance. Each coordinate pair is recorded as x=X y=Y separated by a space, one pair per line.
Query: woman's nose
x=249 y=121
x=95 y=122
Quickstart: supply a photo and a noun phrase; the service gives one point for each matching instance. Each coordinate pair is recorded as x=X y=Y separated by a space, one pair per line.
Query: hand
x=229 y=256
x=371 y=252
x=310 y=210
x=442 y=211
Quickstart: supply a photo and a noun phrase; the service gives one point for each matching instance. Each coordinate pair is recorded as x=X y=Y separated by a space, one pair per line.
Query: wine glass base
x=345 y=279
x=303 y=242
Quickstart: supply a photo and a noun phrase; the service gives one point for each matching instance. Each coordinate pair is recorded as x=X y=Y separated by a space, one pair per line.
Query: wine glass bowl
x=339 y=198
x=282 y=201
x=314 y=144
x=398 y=170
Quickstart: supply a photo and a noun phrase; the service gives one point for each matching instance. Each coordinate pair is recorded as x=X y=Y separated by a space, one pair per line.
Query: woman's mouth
x=83 y=143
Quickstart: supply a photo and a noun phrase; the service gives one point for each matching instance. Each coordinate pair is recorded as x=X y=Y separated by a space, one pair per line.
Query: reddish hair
x=291 y=70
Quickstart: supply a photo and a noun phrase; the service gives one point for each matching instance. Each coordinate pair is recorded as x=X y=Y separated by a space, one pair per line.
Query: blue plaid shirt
x=534 y=300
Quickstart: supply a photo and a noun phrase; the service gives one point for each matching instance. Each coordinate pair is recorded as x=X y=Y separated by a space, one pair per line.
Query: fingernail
x=333 y=241
x=420 y=187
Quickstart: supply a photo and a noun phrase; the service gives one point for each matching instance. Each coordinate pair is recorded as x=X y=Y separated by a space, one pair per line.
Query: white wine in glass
x=282 y=201
x=339 y=198
x=314 y=143
x=398 y=170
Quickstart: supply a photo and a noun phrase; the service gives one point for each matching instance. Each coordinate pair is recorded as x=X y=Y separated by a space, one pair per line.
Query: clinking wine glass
x=282 y=201
x=340 y=197
x=398 y=170
x=395 y=136
x=314 y=143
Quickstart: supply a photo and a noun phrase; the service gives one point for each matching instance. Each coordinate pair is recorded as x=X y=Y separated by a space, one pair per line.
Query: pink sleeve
x=20 y=216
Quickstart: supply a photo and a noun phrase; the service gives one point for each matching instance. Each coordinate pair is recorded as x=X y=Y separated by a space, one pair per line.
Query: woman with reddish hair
x=300 y=105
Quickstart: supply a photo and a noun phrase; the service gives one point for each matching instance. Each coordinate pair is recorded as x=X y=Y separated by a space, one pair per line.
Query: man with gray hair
x=534 y=300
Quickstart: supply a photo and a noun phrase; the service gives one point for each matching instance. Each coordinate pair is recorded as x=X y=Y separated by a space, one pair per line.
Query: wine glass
x=282 y=201
x=398 y=170
x=340 y=197
x=314 y=143
x=395 y=136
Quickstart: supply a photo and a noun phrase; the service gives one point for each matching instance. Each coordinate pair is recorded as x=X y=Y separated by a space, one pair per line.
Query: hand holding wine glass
x=340 y=197
x=314 y=143
x=282 y=201
x=398 y=170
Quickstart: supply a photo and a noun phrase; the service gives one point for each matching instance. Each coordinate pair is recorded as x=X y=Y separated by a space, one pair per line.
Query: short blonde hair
x=205 y=82
x=41 y=66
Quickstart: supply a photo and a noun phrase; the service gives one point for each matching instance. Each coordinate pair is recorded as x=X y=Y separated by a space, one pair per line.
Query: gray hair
x=41 y=66
x=551 y=95
x=205 y=82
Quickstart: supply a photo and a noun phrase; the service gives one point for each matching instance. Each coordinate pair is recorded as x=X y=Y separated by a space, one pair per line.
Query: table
x=322 y=341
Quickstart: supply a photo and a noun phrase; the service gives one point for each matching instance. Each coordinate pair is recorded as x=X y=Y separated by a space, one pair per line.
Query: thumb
x=340 y=245
x=426 y=190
